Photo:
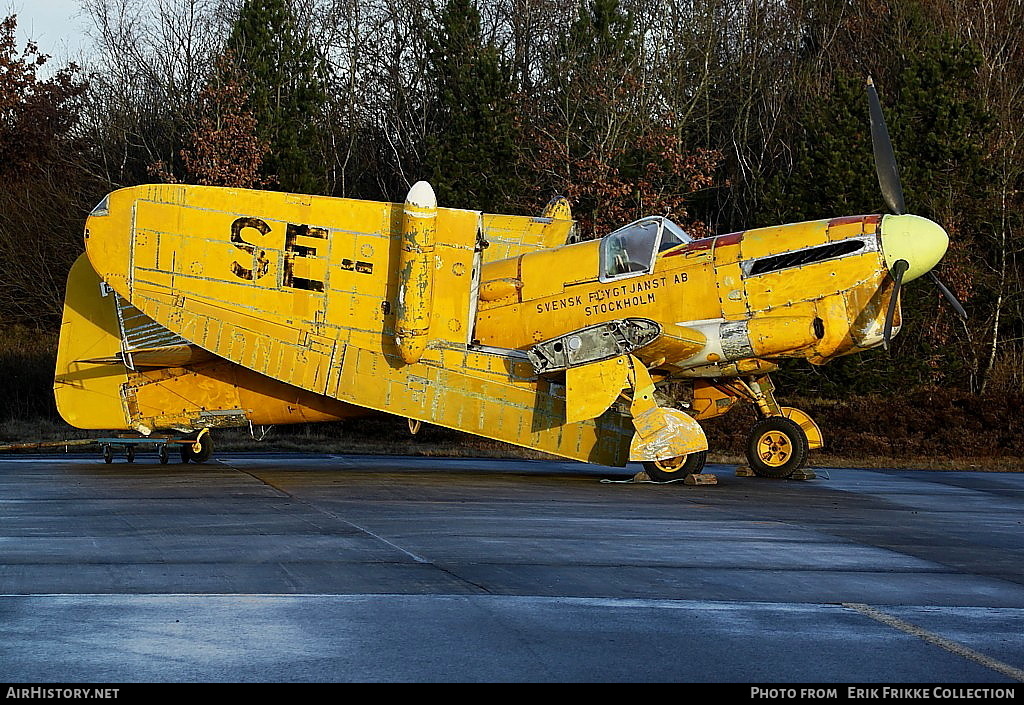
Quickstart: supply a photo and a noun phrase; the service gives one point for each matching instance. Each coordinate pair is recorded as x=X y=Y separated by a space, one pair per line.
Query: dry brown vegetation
x=946 y=429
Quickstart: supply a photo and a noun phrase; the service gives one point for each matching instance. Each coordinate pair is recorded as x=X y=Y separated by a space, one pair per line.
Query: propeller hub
x=916 y=240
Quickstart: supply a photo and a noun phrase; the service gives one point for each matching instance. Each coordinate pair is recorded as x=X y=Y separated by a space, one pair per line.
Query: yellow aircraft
x=200 y=307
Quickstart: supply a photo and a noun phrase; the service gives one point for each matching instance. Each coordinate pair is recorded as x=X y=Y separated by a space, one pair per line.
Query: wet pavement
x=369 y=568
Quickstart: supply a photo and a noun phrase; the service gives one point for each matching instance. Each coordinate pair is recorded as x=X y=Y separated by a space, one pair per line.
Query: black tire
x=129 y=454
x=162 y=454
x=108 y=455
x=677 y=468
x=205 y=450
x=777 y=447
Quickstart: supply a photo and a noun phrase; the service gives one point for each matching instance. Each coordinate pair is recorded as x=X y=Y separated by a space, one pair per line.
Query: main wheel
x=205 y=449
x=676 y=468
x=777 y=447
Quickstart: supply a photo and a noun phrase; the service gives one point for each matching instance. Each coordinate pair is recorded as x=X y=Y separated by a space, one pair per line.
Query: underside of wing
x=309 y=291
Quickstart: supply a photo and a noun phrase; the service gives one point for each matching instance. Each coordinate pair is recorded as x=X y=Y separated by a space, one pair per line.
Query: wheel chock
x=798 y=474
x=692 y=479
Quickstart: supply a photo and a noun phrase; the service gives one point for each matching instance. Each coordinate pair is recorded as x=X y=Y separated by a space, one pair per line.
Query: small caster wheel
x=188 y=452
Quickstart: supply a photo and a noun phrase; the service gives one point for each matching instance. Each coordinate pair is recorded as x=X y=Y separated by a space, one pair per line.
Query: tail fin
x=88 y=394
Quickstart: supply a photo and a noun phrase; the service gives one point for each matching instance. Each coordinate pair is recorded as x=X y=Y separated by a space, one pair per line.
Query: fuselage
x=815 y=290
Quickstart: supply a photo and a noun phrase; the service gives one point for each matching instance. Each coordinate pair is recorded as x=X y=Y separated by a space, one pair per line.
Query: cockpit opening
x=630 y=250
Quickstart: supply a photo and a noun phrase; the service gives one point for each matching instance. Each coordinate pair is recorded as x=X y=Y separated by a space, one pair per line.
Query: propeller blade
x=899 y=268
x=885 y=159
x=950 y=297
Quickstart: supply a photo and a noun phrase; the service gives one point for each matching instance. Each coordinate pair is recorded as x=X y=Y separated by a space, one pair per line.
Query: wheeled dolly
x=196 y=449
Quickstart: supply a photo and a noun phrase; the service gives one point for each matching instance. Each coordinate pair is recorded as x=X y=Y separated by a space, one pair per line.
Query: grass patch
x=27 y=361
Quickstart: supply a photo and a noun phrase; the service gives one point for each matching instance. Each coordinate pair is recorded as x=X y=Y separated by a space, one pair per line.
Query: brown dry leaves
x=36 y=116
x=226 y=147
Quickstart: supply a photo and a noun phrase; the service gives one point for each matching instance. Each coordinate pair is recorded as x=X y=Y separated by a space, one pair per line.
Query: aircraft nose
x=918 y=241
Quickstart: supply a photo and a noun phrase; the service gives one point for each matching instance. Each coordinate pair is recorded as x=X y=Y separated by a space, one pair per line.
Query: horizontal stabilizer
x=515 y=235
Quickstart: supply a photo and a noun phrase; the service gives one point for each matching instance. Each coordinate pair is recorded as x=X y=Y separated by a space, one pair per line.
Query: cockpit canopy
x=630 y=250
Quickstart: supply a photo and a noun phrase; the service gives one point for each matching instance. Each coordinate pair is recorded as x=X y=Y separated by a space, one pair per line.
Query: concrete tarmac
x=287 y=568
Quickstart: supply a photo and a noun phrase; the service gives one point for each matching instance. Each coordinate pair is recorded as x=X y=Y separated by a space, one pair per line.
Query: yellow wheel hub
x=672 y=464
x=774 y=448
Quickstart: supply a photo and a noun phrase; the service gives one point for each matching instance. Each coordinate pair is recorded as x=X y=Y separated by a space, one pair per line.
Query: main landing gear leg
x=779 y=443
x=670 y=443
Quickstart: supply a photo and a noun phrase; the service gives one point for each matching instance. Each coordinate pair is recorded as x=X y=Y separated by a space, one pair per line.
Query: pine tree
x=833 y=170
x=938 y=126
x=604 y=34
x=471 y=123
x=287 y=88
x=603 y=139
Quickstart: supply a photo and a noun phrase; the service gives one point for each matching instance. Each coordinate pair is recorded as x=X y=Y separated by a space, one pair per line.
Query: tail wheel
x=777 y=447
x=205 y=443
x=676 y=468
